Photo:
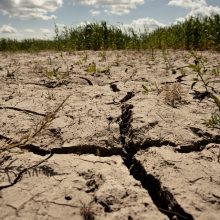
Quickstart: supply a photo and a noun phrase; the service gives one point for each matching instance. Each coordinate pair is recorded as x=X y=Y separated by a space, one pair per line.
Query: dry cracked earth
x=125 y=137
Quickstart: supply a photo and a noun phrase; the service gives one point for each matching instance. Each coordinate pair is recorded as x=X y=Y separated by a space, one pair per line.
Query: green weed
x=205 y=79
x=91 y=69
x=214 y=121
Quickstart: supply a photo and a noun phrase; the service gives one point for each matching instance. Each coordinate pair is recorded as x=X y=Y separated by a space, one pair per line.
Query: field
x=110 y=134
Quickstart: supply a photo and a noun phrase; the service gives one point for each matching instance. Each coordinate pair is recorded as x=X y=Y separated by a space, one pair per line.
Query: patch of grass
x=56 y=74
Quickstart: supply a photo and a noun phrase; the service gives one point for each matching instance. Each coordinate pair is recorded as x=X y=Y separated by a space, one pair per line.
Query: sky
x=21 y=19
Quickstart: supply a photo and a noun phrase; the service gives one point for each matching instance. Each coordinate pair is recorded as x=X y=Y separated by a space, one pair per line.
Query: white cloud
x=144 y=24
x=8 y=29
x=28 y=30
x=112 y=6
x=30 y=8
x=94 y=12
x=198 y=8
x=187 y=3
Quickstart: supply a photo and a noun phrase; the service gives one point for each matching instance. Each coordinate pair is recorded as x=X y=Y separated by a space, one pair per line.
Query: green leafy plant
x=91 y=69
x=205 y=80
x=153 y=87
x=214 y=121
x=55 y=73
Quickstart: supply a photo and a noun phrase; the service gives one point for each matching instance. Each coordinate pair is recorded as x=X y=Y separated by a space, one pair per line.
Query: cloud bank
x=198 y=8
x=112 y=6
x=145 y=24
x=30 y=8
x=8 y=29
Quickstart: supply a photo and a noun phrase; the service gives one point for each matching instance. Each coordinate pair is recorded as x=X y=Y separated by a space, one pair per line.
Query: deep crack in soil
x=161 y=196
x=199 y=145
x=79 y=149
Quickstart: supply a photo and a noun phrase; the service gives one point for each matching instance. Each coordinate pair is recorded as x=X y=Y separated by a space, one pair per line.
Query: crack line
x=161 y=196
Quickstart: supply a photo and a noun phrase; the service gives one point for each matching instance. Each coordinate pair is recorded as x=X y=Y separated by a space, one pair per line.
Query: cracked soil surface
x=122 y=146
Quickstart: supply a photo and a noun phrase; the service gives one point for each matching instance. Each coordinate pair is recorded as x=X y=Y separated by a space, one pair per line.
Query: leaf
x=146 y=90
x=193 y=67
x=91 y=68
x=193 y=84
x=216 y=100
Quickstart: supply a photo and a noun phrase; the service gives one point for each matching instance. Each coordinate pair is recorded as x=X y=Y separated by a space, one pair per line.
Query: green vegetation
x=31 y=45
x=195 y=33
x=206 y=79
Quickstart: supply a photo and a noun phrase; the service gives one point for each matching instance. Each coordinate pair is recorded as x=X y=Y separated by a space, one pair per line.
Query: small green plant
x=54 y=73
x=91 y=69
x=214 y=121
x=153 y=87
x=205 y=80
x=95 y=71
x=105 y=71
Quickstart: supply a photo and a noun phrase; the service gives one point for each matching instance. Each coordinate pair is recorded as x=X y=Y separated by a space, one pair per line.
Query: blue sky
x=36 y=18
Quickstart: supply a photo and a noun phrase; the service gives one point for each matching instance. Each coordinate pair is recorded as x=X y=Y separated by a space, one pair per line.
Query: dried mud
x=114 y=149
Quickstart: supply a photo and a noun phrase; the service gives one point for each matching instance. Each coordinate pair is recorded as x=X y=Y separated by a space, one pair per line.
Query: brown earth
x=128 y=143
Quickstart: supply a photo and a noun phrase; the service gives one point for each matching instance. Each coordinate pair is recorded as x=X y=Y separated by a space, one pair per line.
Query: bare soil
x=129 y=142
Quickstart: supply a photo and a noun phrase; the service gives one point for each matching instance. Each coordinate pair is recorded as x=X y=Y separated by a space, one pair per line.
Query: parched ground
x=108 y=135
